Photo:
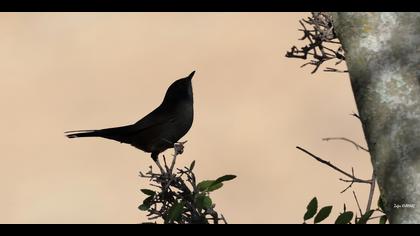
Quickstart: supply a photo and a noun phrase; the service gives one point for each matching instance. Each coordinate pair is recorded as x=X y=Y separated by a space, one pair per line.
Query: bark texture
x=383 y=59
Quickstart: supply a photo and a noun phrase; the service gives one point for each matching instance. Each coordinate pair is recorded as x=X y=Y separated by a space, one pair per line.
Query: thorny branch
x=323 y=43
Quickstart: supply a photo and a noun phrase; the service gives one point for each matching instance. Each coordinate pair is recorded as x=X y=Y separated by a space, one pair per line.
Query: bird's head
x=180 y=90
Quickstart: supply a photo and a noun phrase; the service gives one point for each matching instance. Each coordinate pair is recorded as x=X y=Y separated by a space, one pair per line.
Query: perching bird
x=160 y=129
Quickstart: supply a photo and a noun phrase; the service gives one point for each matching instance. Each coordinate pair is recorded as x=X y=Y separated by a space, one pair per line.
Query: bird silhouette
x=161 y=128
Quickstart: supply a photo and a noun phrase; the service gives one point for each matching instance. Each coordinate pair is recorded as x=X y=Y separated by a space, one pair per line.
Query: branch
x=358 y=205
x=354 y=179
x=321 y=36
x=178 y=198
x=371 y=192
x=330 y=69
x=351 y=181
x=358 y=146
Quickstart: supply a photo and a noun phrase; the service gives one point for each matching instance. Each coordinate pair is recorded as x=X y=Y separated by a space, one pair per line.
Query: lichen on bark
x=383 y=59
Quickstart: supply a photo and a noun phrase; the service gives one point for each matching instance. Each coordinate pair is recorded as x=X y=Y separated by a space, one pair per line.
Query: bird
x=161 y=129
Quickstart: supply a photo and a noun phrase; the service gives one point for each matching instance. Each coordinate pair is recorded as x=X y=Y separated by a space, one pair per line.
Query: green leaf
x=344 y=218
x=192 y=165
x=214 y=187
x=148 y=192
x=311 y=209
x=204 y=185
x=204 y=202
x=383 y=219
x=364 y=219
x=144 y=207
x=146 y=204
x=175 y=212
x=211 y=185
x=148 y=200
x=323 y=214
x=225 y=178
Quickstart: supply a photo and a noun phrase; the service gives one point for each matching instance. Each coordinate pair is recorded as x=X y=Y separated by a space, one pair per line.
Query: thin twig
x=173 y=163
x=319 y=31
x=166 y=164
x=358 y=205
x=333 y=166
x=222 y=217
x=351 y=182
x=371 y=192
x=358 y=146
x=330 y=69
x=160 y=167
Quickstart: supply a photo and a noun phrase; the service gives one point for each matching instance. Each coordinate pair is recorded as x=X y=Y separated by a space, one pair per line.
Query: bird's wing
x=155 y=118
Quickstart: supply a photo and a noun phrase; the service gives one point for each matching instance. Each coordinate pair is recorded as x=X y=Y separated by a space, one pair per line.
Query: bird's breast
x=185 y=115
x=173 y=130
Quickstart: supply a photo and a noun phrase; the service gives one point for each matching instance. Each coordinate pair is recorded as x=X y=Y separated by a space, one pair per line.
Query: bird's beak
x=191 y=75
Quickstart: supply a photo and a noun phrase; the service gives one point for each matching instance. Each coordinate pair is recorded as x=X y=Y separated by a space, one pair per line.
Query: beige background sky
x=66 y=71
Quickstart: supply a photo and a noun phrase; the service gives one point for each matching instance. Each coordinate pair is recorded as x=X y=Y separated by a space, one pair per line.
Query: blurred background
x=253 y=106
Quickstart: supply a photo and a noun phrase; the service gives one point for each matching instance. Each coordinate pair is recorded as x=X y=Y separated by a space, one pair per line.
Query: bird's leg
x=155 y=158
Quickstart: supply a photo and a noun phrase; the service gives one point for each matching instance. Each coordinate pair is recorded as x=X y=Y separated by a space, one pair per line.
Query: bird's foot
x=179 y=147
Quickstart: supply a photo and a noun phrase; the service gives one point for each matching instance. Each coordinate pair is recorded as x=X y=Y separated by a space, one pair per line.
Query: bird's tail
x=120 y=134
x=81 y=133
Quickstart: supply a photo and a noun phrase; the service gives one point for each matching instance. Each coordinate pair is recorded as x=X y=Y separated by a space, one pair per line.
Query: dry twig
x=352 y=177
x=322 y=45
x=358 y=146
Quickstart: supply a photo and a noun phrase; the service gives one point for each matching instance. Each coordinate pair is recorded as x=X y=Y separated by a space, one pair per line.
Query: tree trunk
x=383 y=59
